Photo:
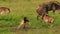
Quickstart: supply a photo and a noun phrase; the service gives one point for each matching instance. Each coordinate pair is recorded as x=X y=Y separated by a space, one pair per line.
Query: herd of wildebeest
x=42 y=10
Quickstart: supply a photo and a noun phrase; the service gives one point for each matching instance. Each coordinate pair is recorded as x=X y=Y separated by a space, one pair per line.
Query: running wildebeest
x=49 y=19
x=23 y=22
x=45 y=7
x=4 y=10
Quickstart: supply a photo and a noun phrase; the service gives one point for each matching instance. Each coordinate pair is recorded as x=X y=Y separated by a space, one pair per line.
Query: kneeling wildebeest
x=49 y=19
x=22 y=24
x=4 y=10
x=48 y=6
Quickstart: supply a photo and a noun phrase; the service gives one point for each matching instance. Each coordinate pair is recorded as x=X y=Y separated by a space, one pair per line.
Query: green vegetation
x=21 y=8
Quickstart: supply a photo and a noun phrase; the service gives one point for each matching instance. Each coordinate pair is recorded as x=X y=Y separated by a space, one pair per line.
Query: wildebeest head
x=57 y=5
x=26 y=19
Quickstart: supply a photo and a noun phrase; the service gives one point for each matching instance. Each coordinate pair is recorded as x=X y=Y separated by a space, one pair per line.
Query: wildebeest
x=45 y=7
x=23 y=22
x=49 y=19
x=4 y=10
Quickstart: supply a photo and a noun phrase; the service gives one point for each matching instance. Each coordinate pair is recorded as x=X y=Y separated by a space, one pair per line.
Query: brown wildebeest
x=22 y=24
x=49 y=19
x=45 y=7
x=4 y=10
x=41 y=10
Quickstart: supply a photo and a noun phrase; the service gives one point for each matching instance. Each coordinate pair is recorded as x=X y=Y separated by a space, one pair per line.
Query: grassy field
x=21 y=8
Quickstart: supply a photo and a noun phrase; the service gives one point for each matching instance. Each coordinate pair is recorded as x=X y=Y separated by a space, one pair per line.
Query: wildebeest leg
x=59 y=11
x=38 y=17
x=51 y=24
x=24 y=26
x=47 y=12
x=54 y=11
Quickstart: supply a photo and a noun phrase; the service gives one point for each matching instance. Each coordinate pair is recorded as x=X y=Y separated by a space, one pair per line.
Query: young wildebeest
x=49 y=19
x=23 y=22
x=4 y=10
x=45 y=7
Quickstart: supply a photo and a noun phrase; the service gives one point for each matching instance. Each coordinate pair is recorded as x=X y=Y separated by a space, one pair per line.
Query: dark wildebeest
x=22 y=24
x=49 y=19
x=45 y=7
x=4 y=10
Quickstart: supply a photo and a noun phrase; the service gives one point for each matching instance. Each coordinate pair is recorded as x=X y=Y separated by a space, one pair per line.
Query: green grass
x=21 y=8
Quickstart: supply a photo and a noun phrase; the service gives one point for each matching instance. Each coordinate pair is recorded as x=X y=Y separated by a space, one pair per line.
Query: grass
x=21 y=8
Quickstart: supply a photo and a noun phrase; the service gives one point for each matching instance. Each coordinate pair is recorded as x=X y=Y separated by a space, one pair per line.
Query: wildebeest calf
x=4 y=10
x=22 y=24
x=47 y=19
